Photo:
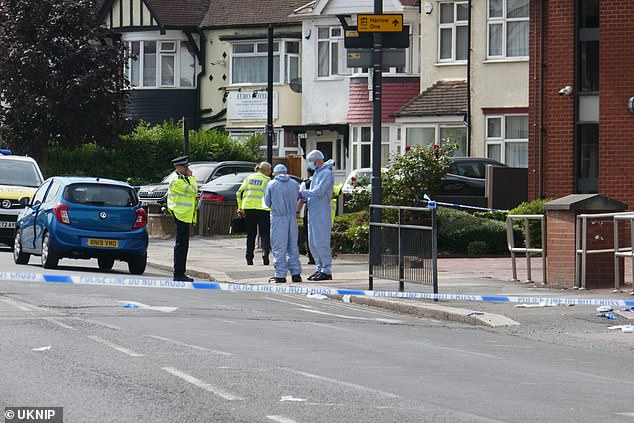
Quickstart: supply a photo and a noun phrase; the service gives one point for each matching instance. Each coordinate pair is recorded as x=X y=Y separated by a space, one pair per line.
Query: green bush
x=145 y=155
x=533 y=207
x=458 y=229
x=458 y=233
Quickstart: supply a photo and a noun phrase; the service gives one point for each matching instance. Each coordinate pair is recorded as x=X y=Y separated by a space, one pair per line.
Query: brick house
x=581 y=137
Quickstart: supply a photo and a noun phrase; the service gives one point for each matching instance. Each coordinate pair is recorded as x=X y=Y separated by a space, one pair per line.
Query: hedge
x=459 y=233
x=145 y=155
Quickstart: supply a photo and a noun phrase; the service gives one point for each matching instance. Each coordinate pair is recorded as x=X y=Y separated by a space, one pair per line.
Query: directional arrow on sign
x=148 y=307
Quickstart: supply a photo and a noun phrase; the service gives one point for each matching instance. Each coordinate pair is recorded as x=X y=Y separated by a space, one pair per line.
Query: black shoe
x=265 y=259
x=323 y=277
x=313 y=276
x=183 y=278
x=311 y=261
x=249 y=262
x=277 y=280
x=297 y=278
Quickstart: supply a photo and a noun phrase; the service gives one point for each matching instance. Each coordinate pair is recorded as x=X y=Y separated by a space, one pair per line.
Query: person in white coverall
x=320 y=214
x=281 y=197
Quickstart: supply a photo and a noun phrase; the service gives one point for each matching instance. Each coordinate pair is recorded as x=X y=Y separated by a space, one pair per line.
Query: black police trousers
x=181 y=247
x=258 y=219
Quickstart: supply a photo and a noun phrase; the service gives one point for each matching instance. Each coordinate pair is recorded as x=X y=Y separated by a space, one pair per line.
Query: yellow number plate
x=106 y=243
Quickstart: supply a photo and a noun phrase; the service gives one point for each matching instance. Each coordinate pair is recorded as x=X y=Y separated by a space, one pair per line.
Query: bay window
x=362 y=146
x=443 y=135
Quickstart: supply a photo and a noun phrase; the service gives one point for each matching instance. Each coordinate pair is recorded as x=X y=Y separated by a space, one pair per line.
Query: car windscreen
x=20 y=173
x=201 y=173
x=101 y=195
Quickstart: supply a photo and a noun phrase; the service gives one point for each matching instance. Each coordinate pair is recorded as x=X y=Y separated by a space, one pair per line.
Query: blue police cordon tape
x=301 y=289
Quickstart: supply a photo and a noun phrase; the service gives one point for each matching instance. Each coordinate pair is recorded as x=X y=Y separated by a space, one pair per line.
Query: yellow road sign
x=380 y=23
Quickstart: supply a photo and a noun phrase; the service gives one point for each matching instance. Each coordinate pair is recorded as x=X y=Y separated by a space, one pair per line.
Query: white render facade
x=499 y=67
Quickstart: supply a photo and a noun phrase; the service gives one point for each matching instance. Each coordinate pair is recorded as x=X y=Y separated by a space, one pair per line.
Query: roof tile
x=442 y=98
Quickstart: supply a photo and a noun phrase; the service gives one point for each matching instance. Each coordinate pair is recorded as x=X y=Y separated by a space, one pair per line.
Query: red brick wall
x=616 y=86
x=558 y=71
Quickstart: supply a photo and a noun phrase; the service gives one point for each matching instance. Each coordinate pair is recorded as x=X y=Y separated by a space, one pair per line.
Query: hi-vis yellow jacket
x=333 y=203
x=181 y=198
x=251 y=192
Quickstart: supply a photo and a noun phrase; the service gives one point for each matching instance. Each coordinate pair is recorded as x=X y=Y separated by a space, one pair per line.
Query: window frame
x=176 y=53
x=279 y=51
x=356 y=133
x=504 y=20
x=453 y=26
x=437 y=127
x=502 y=141
x=338 y=40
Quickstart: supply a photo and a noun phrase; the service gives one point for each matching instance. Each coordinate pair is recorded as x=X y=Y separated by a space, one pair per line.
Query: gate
x=408 y=246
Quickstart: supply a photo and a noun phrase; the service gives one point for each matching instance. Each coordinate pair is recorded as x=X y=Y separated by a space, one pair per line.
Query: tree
x=61 y=76
x=417 y=172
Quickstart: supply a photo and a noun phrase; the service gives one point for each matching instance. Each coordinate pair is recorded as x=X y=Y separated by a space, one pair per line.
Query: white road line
x=606 y=378
x=116 y=347
x=340 y=382
x=625 y=414
x=16 y=304
x=286 y=302
x=195 y=347
x=58 y=323
x=94 y=322
x=373 y=319
x=281 y=419
x=197 y=382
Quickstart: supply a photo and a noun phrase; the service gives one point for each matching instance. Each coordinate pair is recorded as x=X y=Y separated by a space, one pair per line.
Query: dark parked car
x=224 y=187
x=156 y=194
x=82 y=218
x=466 y=177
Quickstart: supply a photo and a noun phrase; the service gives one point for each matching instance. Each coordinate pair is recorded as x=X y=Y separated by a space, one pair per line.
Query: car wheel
x=19 y=256
x=49 y=258
x=136 y=265
x=105 y=263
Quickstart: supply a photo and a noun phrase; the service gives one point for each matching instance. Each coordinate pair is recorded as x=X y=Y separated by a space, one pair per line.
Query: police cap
x=181 y=161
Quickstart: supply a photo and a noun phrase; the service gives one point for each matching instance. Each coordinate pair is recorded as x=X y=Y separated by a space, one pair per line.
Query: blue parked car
x=83 y=218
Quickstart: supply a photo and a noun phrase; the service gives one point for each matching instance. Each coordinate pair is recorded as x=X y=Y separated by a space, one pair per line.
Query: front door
x=326 y=148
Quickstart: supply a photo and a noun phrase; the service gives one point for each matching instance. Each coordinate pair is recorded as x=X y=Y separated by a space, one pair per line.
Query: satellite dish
x=296 y=85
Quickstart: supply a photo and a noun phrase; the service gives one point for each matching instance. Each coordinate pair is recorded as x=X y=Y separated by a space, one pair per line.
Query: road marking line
x=606 y=378
x=207 y=387
x=58 y=323
x=196 y=347
x=625 y=414
x=340 y=382
x=375 y=319
x=94 y=322
x=116 y=347
x=281 y=419
x=17 y=304
x=286 y=302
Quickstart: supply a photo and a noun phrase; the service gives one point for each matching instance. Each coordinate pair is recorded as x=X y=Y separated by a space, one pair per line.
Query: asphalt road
x=252 y=357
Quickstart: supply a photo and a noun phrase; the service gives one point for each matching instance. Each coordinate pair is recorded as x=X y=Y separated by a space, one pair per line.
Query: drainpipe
x=469 y=81
x=199 y=76
x=541 y=99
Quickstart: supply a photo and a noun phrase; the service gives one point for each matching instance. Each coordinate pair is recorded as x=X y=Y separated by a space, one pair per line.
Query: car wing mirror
x=24 y=201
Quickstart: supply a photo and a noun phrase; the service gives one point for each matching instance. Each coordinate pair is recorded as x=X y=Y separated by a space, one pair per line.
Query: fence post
x=529 y=277
x=510 y=242
x=434 y=250
x=401 y=255
x=617 y=279
x=543 y=227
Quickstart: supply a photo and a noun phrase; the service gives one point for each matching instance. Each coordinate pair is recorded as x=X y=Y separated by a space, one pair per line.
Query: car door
x=27 y=225
x=42 y=214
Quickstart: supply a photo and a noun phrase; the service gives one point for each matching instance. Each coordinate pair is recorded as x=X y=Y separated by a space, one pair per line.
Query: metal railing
x=510 y=241
x=622 y=251
x=409 y=252
x=581 y=243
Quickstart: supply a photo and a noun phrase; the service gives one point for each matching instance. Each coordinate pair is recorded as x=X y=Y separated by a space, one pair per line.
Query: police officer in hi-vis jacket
x=250 y=198
x=181 y=203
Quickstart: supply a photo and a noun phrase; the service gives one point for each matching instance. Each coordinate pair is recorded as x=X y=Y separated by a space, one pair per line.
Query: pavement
x=221 y=258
